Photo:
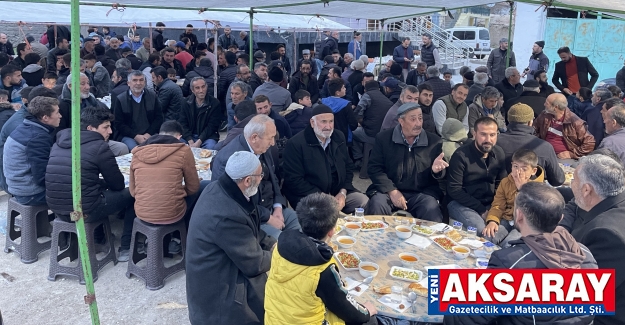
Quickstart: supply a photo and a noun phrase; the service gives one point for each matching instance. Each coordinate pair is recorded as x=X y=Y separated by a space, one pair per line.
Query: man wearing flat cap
x=405 y=165
x=530 y=96
x=228 y=255
x=496 y=63
x=316 y=160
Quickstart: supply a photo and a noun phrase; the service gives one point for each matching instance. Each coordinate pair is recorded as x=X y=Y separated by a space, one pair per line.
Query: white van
x=477 y=38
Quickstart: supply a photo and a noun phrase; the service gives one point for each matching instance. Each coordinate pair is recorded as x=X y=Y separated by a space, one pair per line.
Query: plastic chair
x=31 y=227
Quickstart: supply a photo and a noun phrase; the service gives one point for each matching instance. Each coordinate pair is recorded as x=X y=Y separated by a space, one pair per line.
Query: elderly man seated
x=316 y=160
x=405 y=163
x=258 y=136
x=227 y=263
x=595 y=219
x=565 y=131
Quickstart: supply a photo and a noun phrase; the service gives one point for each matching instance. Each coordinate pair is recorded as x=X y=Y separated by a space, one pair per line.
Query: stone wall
x=13 y=32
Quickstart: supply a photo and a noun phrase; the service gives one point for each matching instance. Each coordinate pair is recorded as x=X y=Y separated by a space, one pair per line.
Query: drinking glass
x=458 y=226
x=472 y=231
x=359 y=213
x=397 y=294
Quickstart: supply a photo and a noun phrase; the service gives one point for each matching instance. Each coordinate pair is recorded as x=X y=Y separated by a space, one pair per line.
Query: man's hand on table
x=490 y=229
x=340 y=198
x=398 y=199
x=565 y=155
x=371 y=308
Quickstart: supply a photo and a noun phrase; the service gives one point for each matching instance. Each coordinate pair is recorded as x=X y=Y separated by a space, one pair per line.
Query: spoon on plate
x=367 y=280
x=412 y=298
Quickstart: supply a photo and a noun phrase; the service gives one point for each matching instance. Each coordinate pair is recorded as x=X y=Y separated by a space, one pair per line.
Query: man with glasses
x=258 y=137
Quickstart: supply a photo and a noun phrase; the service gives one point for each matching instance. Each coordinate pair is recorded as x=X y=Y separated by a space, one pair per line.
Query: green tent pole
x=251 y=39
x=381 y=39
x=77 y=215
x=509 y=35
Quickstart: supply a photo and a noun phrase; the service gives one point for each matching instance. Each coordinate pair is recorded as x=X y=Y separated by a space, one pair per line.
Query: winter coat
x=323 y=75
x=298 y=117
x=226 y=267
x=279 y=97
x=123 y=110
x=33 y=73
x=185 y=58
x=15 y=96
x=530 y=98
x=399 y=53
x=6 y=111
x=96 y=159
x=594 y=120
x=114 y=54
x=557 y=250
x=205 y=72
x=135 y=62
x=325 y=90
x=176 y=65
x=11 y=124
x=307 y=170
x=107 y=63
x=344 y=117
x=203 y=121
x=521 y=136
x=282 y=126
x=170 y=97
x=193 y=38
x=226 y=77
x=496 y=64
x=509 y=91
x=229 y=92
x=446 y=107
x=158 y=42
x=372 y=109
x=101 y=81
x=304 y=286
x=297 y=84
x=25 y=158
x=355 y=78
x=469 y=181
x=578 y=140
x=255 y=81
x=614 y=142
x=162 y=174
x=440 y=88
x=503 y=203
x=601 y=230
x=390 y=119
x=224 y=41
x=7 y=48
x=578 y=107
x=119 y=88
x=65 y=108
x=414 y=78
x=395 y=166
x=538 y=62
x=233 y=133
x=474 y=90
x=584 y=68
x=476 y=111
x=245 y=46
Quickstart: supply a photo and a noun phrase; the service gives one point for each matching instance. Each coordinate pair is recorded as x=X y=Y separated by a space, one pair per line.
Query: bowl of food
x=408 y=260
x=346 y=241
x=460 y=252
x=352 y=228
x=368 y=269
x=403 y=232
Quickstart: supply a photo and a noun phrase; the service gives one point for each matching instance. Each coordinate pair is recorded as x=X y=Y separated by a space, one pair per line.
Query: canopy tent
x=100 y=15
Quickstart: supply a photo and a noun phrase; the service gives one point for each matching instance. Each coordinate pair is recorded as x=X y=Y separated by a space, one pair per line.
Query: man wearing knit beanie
x=520 y=134
x=538 y=61
x=316 y=160
x=279 y=97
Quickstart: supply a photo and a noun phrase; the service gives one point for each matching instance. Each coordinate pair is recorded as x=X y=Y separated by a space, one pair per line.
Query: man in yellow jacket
x=304 y=286
x=500 y=227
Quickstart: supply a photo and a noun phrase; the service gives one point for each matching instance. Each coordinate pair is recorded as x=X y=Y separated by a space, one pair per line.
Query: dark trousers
x=420 y=205
x=112 y=203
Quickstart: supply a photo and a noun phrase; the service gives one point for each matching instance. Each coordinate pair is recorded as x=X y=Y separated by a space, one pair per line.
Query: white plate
x=419 y=232
x=384 y=226
x=399 y=268
x=336 y=256
x=443 y=236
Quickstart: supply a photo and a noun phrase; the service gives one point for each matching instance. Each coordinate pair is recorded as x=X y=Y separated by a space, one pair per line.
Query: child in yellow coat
x=500 y=222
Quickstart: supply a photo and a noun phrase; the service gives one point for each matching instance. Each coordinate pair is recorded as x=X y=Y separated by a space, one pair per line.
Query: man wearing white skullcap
x=228 y=254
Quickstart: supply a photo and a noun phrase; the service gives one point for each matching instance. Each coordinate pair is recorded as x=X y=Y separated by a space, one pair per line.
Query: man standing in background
x=497 y=61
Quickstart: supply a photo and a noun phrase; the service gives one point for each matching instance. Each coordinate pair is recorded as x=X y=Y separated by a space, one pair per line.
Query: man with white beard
x=316 y=160
x=228 y=255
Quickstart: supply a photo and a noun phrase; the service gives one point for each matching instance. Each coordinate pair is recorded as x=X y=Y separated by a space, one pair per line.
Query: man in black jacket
x=135 y=62
x=371 y=110
x=169 y=94
x=439 y=86
x=138 y=112
x=200 y=116
x=316 y=160
x=583 y=68
x=170 y=62
x=188 y=33
x=417 y=76
x=61 y=44
x=595 y=219
x=304 y=79
x=120 y=82
x=530 y=96
x=404 y=163
x=520 y=134
x=543 y=245
x=101 y=197
x=226 y=76
x=158 y=42
x=474 y=173
x=545 y=88
x=511 y=86
x=258 y=136
x=259 y=75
